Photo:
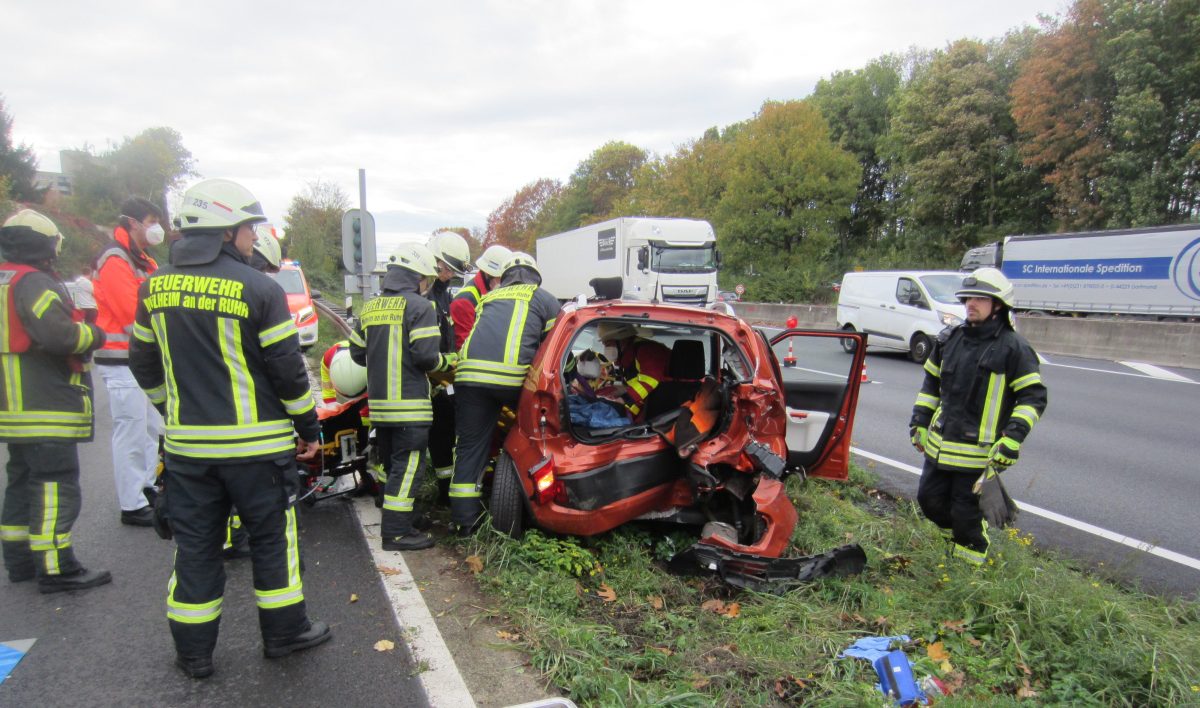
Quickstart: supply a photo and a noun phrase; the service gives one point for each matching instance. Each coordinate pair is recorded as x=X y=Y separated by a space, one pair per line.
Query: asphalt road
x=110 y=646
x=1117 y=449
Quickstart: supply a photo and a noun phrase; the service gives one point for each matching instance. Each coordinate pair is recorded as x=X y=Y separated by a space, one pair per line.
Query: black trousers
x=41 y=503
x=403 y=448
x=441 y=439
x=199 y=497
x=477 y=412
x=946 y=499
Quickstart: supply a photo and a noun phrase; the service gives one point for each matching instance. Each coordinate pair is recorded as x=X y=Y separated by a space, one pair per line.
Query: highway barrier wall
x=1160 y=343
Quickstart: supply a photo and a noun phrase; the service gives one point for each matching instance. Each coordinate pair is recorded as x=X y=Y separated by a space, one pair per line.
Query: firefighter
x=122 y=266
x=215 y=346
x=452 y=254
x=47 y=407
x=267 y=253
x=329 y=391
x=640 y=365
x=462 y=307
x=512 y=321
x=981 y=397
x=397 y=340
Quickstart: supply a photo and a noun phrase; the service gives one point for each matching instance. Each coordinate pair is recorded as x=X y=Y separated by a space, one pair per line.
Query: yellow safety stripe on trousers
x=1026 y=413
x=58 y=541
x=444 y=472
x=85 y=338
x=924 y=400
x=989 y=422
x=158 y=322
x=403 y=500
x=299 y=406
x=240 y=383
x=143 y=333
x=44 y=302
x=424 y=333
x=14 y=534
x=11 y=364
x=932 y=368
x=969 y=555
x=468 y=490
x=277 y=333
x=294 y=592
x=1026 y=381
x=190 y=612
x=44 y=541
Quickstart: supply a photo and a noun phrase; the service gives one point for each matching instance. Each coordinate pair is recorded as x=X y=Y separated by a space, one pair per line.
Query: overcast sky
x=452 y=106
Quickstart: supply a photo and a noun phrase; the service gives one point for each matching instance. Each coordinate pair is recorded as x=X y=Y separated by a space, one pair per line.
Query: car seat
x=685 y=370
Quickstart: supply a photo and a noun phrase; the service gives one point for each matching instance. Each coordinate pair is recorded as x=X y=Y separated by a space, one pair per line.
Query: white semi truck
x=1151 y=272
x=657 y=259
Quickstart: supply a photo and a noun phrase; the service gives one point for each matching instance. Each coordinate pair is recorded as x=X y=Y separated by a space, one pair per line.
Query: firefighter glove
x=1005 y=453
x=449 y=361
x=919 y=437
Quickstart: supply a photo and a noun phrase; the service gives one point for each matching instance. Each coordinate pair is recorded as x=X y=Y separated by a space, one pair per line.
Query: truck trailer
x=1150 y=272
x=657 y=259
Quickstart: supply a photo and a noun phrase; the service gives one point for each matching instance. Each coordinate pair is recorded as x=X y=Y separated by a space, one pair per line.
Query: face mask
x=155 y=234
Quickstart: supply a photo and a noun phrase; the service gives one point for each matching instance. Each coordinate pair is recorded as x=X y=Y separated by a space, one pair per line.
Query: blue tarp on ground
x=11 y=653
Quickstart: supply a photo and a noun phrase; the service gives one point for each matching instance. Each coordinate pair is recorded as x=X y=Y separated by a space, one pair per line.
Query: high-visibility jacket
x=643 y=365
x=397 y=339
x=121 y=268
x=462 y=307
x=47 y=393
x=981 y=383
x=510 y=325
x=215 y=344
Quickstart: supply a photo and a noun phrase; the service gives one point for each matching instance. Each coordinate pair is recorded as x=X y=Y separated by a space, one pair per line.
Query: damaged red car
x=710 y=447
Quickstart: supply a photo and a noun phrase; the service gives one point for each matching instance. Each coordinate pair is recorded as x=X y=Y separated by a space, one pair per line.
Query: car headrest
x=687 y=359
x=607 y=288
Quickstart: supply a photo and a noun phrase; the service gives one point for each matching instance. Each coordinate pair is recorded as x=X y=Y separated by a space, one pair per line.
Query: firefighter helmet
x=608 y=331
x=267 y=245
x=346 y=375
x=415 y=257
x=518 y=259
x=33 y=223
x=216 y=205
x=987 y=282
x=493 y=259
x=451 y=249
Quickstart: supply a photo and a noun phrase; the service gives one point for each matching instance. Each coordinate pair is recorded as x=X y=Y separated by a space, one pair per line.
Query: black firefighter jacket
x=215 y=344
x=510 y=324
x=981 y=383
x=397 y=339
x=47 y=394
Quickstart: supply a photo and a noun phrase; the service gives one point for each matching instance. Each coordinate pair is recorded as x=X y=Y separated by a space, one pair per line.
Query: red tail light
x=545 y=487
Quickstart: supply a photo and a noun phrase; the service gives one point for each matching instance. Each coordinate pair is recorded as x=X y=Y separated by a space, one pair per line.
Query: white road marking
x=1156 y=372
x=443 y=684
x=1116 y=373
x=1065 y=520
x=1042 y=359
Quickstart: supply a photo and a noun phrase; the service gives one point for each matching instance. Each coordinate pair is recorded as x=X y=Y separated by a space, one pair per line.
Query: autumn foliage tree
x=512 y=223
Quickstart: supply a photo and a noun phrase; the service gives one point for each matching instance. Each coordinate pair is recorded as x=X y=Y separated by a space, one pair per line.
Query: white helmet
x=267 y=245
x=520 y=259
x=347 y=377
x=216 y=205
x=415 y=257
x=37 y=223
x=451 y=249
x=493 y=259
x=987 y=282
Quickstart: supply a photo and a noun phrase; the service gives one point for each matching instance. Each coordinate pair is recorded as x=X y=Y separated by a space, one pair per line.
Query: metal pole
x=364 y=277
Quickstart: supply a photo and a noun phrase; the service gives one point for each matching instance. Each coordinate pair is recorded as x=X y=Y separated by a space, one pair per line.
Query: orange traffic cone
x=790 y=359
x=864 y=374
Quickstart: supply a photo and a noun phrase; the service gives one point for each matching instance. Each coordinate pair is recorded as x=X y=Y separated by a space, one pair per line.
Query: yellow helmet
x=28 y=221
x=987 y=282
x=216 y=205
x=415 y=257
x=451 y=249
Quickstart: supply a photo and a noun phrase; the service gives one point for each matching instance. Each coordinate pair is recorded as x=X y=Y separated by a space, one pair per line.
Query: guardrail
x=1161 y=343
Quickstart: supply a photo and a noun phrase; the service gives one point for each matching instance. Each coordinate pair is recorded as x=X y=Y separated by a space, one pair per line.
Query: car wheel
x=508 y=498
x=919 y=348
x=849 y=345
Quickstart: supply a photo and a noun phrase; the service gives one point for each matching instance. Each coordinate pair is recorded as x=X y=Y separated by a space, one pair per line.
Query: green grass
x=1026 y=624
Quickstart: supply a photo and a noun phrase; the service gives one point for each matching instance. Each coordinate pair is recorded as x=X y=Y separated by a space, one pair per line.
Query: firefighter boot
x=318 y=633
x=196 y=667
x=81 y=579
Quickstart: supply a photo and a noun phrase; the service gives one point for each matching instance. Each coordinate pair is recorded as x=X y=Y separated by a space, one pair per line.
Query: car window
x=907 y=292
x=813 y=359
x=943 y=286
x=290 y=280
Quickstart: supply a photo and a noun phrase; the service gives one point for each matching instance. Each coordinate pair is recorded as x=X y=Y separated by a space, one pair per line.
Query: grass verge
x=609 y=626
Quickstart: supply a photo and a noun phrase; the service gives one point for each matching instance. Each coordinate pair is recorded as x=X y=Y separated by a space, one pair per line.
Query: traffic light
x=358 y=241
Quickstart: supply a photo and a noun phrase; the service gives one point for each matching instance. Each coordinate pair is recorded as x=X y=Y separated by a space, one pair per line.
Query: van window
x=942 y=286
x=907 y=293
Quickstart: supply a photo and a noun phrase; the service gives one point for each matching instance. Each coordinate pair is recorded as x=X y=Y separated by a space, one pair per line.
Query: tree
x=688 y=184
x=597 y=185
x=150 y=164
x=512 y=223
x=18 y=165
x=314 y=231
x=789 y=185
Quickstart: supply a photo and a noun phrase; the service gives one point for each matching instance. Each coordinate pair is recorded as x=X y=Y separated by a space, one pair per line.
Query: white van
x=900 y=309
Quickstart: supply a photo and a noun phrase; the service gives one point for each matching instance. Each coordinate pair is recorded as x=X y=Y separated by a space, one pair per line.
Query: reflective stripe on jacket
x=45 y=392
x=981 y=383
x=645 y=364
x=510 y=325
x=216 y=346
x=120 y=271
x=462 y=307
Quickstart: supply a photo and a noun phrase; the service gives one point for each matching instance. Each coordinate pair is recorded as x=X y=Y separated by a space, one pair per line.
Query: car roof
x=640 y=310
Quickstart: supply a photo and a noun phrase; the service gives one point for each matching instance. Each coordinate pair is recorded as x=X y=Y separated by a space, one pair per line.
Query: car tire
x=919 y=347
x=508 y=498
x=849 y=345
